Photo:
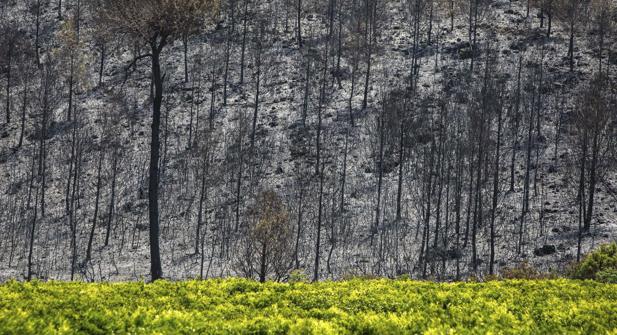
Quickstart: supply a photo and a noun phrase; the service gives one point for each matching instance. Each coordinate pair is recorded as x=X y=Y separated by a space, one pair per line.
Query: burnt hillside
x=441 y=139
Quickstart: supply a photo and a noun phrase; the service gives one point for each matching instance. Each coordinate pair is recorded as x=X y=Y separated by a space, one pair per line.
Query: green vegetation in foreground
x=351 y=307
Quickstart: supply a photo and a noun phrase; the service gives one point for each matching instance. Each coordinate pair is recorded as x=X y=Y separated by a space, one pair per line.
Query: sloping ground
x=352 y=307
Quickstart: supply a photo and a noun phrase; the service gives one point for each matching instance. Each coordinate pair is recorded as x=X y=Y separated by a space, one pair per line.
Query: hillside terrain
x=437 y=139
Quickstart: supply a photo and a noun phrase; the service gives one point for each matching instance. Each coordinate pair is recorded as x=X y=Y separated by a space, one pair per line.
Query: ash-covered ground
x=411 y=183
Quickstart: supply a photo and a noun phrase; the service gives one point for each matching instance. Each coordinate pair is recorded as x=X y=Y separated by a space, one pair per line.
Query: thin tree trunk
x=319 y=219
x=495 y=194
x=37 y=33
x=379 y=171
x=185 y=44
x=581 y=196
x=153 y=187
x=430 y=22
x=351 y=93
x=202 y=197
x=226 y=72
x=102 y=64
x=516 y=117
x=243 y=48
x=369 y=40
x=299 y=22
x=256 y=103
x=23 y=112
x=32 y=238
x=401 y=156
x=70 y=107
x=299 y=228
x=239 y=182
x=571 y=45
x=112 y=199
x=344 y=172
x=8 y=85
x=592 y=181
x=96 y=206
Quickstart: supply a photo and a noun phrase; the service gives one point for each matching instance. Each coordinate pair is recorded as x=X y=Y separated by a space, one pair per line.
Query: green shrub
x=607 y=276
x=601 y=264
x=355 y=276
x=298 y=276
x=238 y=306
x=404 y=276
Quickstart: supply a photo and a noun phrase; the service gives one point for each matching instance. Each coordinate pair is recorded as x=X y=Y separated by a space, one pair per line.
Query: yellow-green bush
x=601 y=264
x=237 y=306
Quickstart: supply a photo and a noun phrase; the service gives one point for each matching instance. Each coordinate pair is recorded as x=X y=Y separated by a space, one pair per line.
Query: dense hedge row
x=357 y=307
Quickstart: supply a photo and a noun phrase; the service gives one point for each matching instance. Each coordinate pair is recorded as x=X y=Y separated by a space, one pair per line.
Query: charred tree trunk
x=495 y=194
x=96 y=207
x=112 y=200
x=592 y=180
x=8 y=84
x=202 y=198
x=24 y=107
x=32 y=238
x=102 y=63
x=319 y=223
x=156 y=44
x=243 y=48
x=299 y=22
x=581 y=195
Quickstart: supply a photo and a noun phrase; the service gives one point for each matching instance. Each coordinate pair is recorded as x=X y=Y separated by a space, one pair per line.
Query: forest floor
x=552 y=222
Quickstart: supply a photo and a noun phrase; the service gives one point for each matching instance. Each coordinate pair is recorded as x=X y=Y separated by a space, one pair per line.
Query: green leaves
x=237 y=306
x=600 y=265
